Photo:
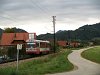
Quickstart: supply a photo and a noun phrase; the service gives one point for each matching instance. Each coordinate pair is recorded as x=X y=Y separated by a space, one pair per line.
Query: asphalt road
x=85 y=67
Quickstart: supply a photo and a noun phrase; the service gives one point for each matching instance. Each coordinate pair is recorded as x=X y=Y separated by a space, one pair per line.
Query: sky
x=36 y=15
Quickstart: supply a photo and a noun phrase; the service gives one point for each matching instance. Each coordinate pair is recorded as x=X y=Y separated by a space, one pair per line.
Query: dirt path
x=85 y=67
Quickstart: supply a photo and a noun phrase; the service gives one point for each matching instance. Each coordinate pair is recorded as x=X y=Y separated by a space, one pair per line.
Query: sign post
x=19 y=47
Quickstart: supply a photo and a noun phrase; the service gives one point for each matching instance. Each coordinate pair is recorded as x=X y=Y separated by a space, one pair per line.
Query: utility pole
x=54 y=32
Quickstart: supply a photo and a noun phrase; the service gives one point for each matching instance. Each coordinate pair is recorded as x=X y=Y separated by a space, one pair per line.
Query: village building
x=11 y=39
x=62 y=43
x=65 y=44
x=9 y=42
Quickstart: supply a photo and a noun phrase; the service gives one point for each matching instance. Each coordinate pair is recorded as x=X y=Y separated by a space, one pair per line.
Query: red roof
x=8 y=38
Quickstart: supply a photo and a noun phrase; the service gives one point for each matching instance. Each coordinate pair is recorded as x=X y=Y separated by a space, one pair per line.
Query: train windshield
x=31 y=45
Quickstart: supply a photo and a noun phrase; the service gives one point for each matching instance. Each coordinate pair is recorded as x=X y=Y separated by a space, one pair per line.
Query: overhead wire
x=8 y=18
x=38 y=5
x=12 y=19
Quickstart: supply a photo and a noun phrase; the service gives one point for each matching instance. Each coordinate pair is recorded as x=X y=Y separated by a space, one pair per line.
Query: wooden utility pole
x=54 y=32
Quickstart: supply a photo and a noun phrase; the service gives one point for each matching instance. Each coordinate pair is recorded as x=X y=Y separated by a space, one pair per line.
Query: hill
x=86 y=32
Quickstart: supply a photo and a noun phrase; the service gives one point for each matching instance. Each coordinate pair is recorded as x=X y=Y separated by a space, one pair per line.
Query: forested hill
x=86 y=32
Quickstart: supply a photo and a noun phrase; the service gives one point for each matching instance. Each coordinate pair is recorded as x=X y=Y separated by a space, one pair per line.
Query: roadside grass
x=92 y=54
x=53 y=63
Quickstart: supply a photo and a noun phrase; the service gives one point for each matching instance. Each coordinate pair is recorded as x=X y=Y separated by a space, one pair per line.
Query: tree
x=9 y=30
x=96 y=41
x=13 y=30
x=3 y=52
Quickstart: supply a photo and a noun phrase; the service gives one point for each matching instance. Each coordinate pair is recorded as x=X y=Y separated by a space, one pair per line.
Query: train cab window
x=30 y=45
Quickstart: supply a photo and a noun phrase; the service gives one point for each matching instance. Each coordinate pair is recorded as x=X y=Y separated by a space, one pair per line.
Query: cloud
x=39 y=12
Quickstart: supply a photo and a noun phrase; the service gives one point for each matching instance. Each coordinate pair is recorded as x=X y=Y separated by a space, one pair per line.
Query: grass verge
x=92 y=54
x=50 y=64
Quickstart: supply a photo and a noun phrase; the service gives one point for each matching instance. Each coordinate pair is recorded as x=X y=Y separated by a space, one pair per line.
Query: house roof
x=8 y=38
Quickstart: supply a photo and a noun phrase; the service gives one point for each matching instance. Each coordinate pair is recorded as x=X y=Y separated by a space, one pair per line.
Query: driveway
x=85 y=67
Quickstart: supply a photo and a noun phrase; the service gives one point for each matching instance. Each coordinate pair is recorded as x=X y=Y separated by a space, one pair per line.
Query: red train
x=37 y=47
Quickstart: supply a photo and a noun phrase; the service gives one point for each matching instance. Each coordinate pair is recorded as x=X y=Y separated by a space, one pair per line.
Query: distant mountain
x=86 y=32
x=45 y=36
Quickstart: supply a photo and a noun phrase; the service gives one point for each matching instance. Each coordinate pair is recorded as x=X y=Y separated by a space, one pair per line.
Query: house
x=62 y=43
x=74 y=44
x=11 y=39
x=9 y=42
x=66 y=44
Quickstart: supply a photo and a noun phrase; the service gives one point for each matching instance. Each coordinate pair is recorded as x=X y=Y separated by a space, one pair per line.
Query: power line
x=9 y=18
x=39 y=7
x=33 y=3
x=14 y=20
x=44 y=9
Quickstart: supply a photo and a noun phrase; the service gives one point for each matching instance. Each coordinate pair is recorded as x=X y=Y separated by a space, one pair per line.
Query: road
x=85 y=67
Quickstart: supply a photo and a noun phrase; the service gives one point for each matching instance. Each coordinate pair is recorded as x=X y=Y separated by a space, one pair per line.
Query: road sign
x=19 y=46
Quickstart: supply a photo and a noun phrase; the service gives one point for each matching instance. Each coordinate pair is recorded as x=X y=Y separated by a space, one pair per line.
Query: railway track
x=13 y=63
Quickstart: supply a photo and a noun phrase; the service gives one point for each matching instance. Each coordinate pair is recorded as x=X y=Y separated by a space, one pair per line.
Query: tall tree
x=13 y=30
x=9 y=30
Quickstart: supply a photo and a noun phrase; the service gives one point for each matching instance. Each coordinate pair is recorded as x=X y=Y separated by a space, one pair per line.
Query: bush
x=57 y=48
x=96 y=41
x=12 y=52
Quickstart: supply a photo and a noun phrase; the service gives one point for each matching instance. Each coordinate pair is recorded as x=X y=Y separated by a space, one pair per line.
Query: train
x=37 y=47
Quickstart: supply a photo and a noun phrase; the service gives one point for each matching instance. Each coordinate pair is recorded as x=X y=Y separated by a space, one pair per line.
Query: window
x=31 y=36
x=30 y=45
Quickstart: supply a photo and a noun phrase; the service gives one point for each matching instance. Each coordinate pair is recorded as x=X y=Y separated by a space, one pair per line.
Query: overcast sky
x=36 y=15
